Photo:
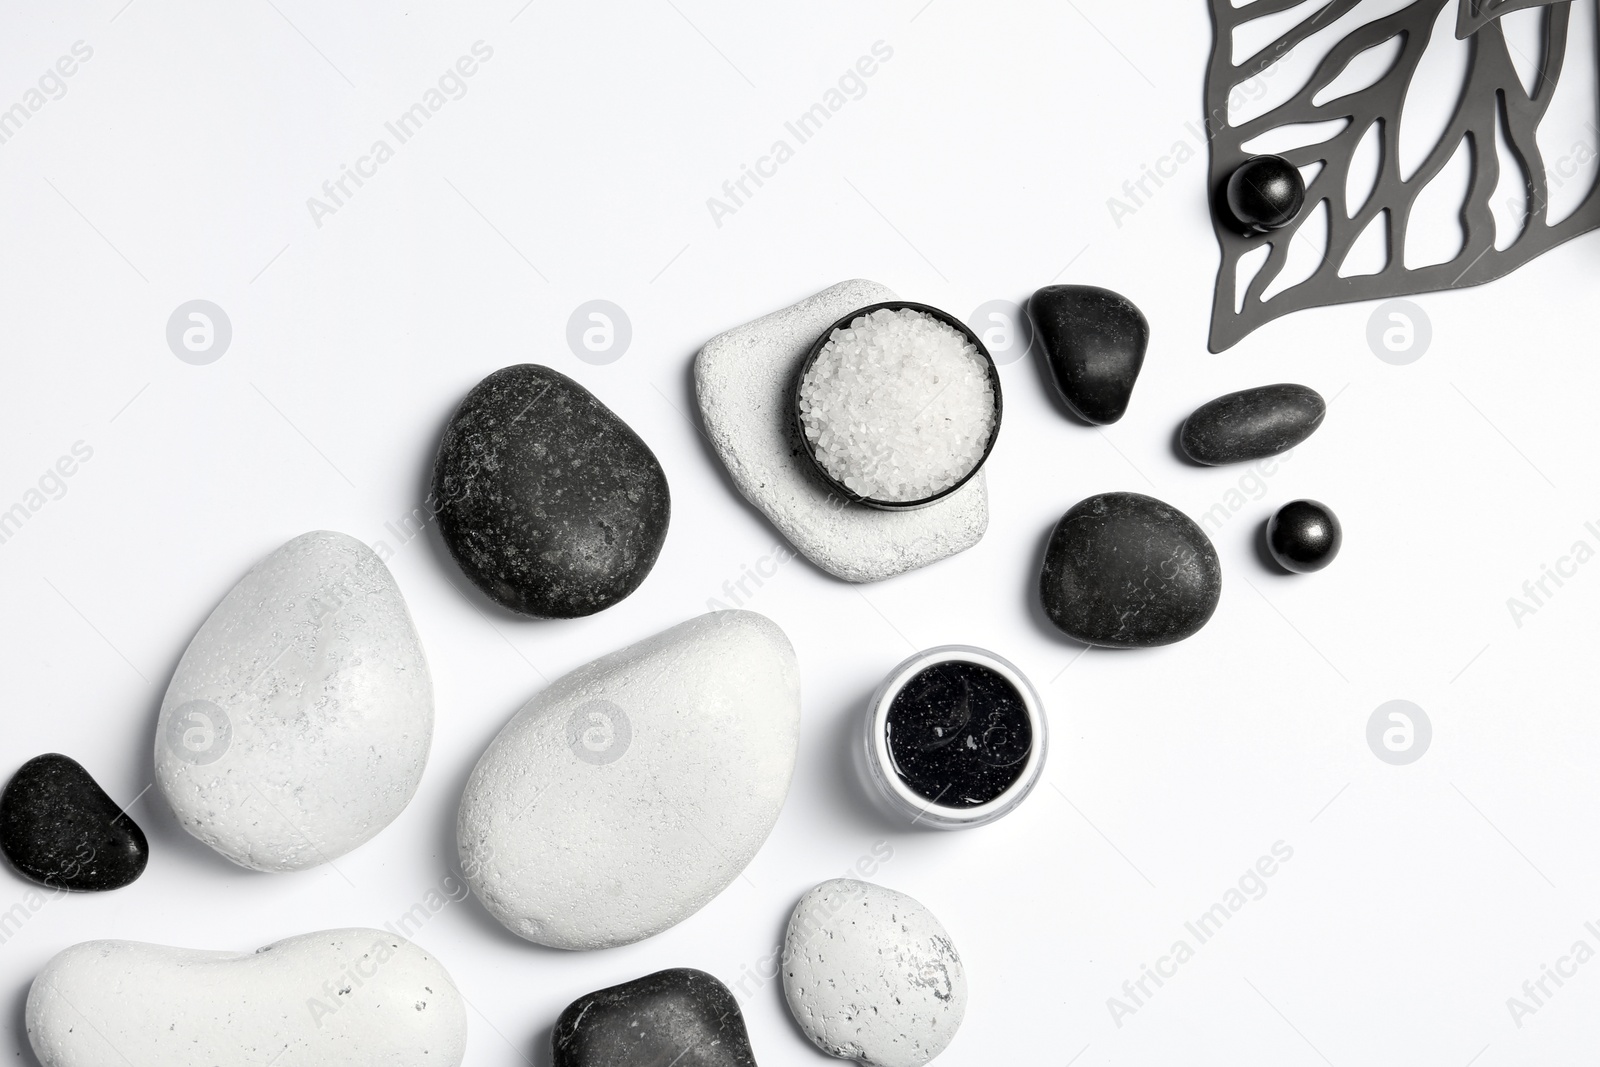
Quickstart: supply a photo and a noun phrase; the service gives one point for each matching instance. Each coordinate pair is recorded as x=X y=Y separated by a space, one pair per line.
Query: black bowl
x=811 y=358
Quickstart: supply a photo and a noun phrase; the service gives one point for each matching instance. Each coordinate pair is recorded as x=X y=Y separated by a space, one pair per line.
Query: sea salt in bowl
x=897 y=405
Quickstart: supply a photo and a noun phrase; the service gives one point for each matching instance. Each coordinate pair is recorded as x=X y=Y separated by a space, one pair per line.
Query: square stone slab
x=743 y=378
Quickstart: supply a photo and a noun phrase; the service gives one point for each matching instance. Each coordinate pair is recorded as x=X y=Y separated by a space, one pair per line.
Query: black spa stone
x=1093 y=342
x=1265 y=193
x=1252 y=424
x=1304 y=536
x=549 y=503
x=681 y=1017
x=959 y=734
x=59 y=828
x=1124 y=570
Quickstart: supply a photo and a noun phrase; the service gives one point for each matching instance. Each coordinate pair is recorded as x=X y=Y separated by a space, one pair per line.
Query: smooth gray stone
x=1252 y=424
x=1094 y=343
x=1124 y=570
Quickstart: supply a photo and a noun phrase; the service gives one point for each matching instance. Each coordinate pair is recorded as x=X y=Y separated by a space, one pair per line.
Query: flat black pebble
x=1252 y=424
x=1126 y=571
x=58 y=827
x=1266 y=193
x=549 y=503
x=1094 y=342
x=959 y=734
x=681 y=1017
x=1304 y=536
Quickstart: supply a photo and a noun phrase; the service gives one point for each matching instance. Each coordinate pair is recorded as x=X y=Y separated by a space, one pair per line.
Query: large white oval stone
x=871 y=975
x=339 y=996
x=298 y=722
x=623 y=798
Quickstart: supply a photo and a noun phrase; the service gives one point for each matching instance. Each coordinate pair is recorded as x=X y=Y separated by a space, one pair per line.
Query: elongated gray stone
x=298 y=722
x=1252 y=424
x=625 y=796
x=335 y=997
x=743 y=379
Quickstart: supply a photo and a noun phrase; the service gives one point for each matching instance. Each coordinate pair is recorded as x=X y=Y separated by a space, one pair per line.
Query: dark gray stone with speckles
x=1126 y=571
x=1252 y=424
x=548 y=501
x=681 y=1017
x=59 y=828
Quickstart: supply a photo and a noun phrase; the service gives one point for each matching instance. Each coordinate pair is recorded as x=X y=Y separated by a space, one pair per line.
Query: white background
x=977 y=166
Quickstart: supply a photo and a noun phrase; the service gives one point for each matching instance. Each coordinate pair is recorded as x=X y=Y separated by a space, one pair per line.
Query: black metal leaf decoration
x=1493 y=94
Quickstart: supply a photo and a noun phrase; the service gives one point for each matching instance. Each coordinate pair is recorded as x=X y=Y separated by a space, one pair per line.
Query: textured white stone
x=298 y=722
x=628 y=794
x=743 y=379
x=335 y=997
x=870 y=975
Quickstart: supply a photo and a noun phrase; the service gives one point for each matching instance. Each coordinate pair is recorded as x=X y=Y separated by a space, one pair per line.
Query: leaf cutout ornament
x=1491 y=94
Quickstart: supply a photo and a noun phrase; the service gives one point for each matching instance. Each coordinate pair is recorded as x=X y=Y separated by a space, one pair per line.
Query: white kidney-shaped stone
x=298 y=722
x=336 y=997
x=628 y=794
x=871 y=975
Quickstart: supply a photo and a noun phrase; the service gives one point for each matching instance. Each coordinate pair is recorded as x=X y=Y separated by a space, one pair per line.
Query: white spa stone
x=625 y=796
x=744 y=378
x=335 y=997
x=298 y=722
x=870 y=975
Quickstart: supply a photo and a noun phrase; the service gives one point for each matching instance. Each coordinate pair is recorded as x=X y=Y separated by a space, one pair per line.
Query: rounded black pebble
x=1252 y=424
x=1094 y=343
x=959 y=734
x=681 y=1017
x=1124 y=570
x=547 y=500
x=1304 y=536
x=58 y=827
x=1266 y=193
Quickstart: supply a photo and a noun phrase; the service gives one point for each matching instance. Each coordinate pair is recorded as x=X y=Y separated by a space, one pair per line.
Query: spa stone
x=550 y=504
x=298 y=722
x=1123 y=570
x=336 y=997
x=60 y=829
x=680 y=1017
x=1252 y=424
x=626 y=795
x=1094 y=344
x=870 y=975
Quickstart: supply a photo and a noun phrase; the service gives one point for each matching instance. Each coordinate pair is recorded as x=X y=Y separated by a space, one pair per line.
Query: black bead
x=682 y=1017
x=59 y=828
x=1266 y=193
x=1304 y=536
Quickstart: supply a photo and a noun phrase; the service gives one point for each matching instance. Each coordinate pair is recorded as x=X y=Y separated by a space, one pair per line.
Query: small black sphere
x=1266 y=193
x=1304 y=536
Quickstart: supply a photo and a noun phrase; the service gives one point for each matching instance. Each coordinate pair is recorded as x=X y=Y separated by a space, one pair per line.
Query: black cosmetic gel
x=959 y=734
